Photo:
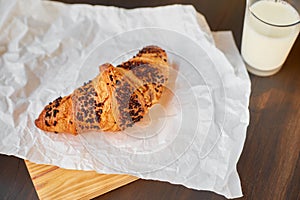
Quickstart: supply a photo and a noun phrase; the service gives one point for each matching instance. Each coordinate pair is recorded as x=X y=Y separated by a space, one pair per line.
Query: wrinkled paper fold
x=47 y=49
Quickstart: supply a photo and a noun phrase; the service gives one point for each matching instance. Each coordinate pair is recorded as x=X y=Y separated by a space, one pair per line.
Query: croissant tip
x=104 y=67
x=38 y=123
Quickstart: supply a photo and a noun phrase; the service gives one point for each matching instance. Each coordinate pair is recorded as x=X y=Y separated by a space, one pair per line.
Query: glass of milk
x=270 y=29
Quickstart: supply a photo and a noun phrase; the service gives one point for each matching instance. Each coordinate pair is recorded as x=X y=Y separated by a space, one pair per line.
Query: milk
x=265 y=47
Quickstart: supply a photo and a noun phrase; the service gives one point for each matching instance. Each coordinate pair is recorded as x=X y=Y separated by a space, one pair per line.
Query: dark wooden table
x=269 y=166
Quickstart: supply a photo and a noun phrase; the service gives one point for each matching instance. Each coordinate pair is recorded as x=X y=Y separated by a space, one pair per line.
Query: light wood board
x=52 y=182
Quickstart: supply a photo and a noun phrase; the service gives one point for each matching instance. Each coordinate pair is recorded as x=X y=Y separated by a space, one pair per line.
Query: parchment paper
x=47 y=49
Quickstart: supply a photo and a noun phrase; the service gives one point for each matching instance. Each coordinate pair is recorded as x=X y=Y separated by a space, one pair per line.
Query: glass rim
x=271 y=24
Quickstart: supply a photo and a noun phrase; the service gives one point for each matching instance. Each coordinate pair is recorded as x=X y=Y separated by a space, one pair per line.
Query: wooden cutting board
x=52 y=182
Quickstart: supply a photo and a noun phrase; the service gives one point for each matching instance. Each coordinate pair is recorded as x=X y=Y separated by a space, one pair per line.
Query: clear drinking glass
x=270 y=30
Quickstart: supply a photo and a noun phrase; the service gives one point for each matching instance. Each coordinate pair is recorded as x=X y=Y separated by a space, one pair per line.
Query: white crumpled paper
x=47 y=49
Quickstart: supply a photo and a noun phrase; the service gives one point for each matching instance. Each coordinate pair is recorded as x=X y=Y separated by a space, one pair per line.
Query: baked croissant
x=115 y=99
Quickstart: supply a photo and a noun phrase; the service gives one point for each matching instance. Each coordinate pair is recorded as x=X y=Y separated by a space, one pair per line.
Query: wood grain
x=52 y=182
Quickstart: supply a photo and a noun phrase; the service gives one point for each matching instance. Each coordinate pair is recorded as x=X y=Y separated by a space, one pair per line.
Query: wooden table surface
x=269 y=166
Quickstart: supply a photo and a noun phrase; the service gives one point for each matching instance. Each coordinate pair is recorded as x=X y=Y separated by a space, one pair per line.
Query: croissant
x=115 y=99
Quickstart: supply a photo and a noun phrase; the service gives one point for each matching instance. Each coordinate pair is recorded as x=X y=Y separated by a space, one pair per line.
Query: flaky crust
x=57 y=116
x=115 y=99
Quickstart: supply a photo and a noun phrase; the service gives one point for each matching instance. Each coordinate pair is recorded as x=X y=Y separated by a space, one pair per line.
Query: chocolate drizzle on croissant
x=114 y=100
